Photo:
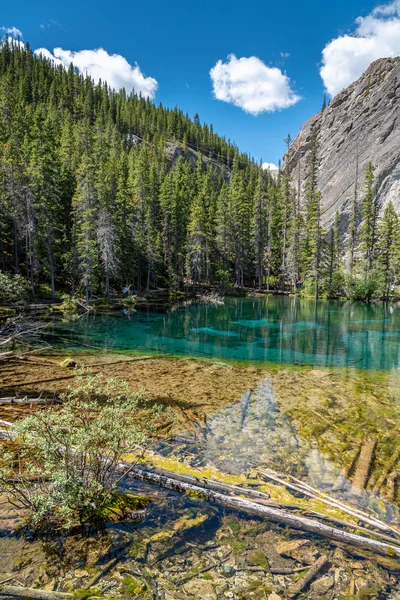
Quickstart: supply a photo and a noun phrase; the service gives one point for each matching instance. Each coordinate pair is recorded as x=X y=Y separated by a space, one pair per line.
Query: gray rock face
x=361 y=124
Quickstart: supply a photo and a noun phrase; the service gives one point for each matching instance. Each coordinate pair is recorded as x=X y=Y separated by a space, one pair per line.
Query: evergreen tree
x=369 y=218
x=388 y=247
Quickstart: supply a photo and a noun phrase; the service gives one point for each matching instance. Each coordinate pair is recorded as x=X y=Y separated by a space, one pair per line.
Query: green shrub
x=65 y=469
x=13 y=288
x=130 y=302
x=365 y=286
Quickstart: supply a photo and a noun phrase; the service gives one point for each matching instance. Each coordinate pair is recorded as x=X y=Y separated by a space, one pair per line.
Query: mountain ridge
x=361 y=125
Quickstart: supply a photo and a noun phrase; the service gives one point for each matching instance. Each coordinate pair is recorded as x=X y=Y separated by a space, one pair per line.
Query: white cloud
x=269 y=167
x=13 y=31
x=251 y=85
x=112 y=68
x=346 y=57
x=285 y=54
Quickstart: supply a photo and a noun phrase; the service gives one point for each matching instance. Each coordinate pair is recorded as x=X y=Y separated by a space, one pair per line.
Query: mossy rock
x=68 y=363
x=131 y=585
x=123 y=505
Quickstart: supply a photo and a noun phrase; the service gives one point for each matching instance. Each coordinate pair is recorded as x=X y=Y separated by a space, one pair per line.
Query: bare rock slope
x=361 y=124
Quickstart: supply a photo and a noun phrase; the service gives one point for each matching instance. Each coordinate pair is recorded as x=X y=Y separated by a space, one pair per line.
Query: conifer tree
x=369 y=218
x=388 y=247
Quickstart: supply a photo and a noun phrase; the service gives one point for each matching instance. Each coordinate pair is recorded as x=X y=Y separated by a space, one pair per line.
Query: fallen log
x=308 y=577
x=217 y=486
x=361 y=476
x=307 y=490
x=26 y=401
x=381 y=536
x=35 y=382
x=382 y=478
x=22 y=592
x=269 y=512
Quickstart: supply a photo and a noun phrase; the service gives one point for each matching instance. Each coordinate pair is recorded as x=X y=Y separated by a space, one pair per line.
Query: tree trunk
x=16 y=259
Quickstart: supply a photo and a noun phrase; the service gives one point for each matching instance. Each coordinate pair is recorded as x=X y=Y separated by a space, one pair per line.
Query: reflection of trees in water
x=281 y=329
x=254 y=432
x=251 y=432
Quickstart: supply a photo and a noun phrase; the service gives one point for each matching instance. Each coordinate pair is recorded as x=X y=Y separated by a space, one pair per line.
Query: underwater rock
x=322 y=585
x=201 y=588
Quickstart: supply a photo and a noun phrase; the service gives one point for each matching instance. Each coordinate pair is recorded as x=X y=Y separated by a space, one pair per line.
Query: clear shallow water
x=272 y=329
x=253 y=432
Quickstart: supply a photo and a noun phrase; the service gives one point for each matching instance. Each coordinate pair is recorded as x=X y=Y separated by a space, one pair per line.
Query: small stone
x=201 y=588
x=274 y=596
x=220 y=589
x=300 y=550
x=362 y=584
x=252 y=474
x=229 y=595
x=339 y=555
x=80 y=573
x=228 y=571
x=355 y=564
x=322 y=585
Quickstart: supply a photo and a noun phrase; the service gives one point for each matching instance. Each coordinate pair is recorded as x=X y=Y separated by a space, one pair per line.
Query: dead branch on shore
x=23 y=333
x=211 y=298
x=27 y=401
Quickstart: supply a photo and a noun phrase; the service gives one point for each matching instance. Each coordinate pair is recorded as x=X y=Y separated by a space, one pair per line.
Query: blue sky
x=278 y=48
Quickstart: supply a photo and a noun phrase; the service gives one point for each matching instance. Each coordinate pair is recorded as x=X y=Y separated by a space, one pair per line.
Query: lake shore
x=197 y=550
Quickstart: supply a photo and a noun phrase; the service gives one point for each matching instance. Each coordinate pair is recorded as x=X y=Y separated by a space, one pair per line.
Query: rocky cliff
x=361 y=124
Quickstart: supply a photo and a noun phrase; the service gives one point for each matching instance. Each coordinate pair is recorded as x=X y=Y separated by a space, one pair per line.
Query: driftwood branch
x=217 y=486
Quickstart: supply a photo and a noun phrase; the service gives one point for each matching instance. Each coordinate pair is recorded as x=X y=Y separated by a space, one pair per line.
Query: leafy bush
x=13 y=288
x=337 y=285
x=223 y=278
x=130 y=302
x=65 y=469
x=69 y=304
x=365 y=286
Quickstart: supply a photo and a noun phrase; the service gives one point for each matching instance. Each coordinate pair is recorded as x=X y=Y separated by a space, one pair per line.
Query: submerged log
x=308 y=577
x=386 y=472
x=364 y=464
x=391 y=484
x=22 y=592
x=252 y=508
x=217 y=486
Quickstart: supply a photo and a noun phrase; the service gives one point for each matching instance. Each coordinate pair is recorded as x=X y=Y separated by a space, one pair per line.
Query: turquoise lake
x=268 y=329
